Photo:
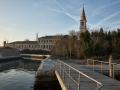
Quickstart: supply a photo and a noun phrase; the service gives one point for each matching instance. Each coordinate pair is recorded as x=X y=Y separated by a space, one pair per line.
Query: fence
x=103 y=66
x=66 y=70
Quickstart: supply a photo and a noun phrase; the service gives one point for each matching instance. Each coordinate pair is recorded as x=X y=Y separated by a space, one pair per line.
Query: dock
x=73 y=76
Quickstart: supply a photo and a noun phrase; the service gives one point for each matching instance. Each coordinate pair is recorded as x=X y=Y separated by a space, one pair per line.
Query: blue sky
x=21 y=19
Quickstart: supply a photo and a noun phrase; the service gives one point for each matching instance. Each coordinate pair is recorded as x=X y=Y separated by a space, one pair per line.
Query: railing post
x=101 y=66
x=60 y=67
x=113 y=70
x=93 y=65
x=78 y=81
x=69 y=79
x=98 y=85
x=64 y=72
x=110 y=66
x=57 y=65
x=87 y=63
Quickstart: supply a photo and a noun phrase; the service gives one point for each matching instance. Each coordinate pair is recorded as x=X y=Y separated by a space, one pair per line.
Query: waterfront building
x=47 y=42
x=22 y=45
x=43 y=43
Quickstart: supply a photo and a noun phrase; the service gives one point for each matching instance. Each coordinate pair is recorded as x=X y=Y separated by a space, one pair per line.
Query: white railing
x=61 y=67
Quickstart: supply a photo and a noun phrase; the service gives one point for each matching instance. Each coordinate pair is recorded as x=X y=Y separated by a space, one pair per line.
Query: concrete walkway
x=46 y=70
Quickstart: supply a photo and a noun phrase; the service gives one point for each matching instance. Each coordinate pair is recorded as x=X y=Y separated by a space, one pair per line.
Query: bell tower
x=83 y=21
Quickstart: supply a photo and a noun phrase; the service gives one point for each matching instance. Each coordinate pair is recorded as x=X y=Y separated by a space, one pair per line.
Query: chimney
x=4 y=43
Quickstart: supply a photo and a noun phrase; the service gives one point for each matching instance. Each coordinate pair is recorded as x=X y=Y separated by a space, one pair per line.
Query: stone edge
x=60 y=81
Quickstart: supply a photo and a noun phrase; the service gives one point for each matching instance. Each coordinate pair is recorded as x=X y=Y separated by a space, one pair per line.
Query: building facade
x=47 y=42
x=22 y=45
x=44 y=43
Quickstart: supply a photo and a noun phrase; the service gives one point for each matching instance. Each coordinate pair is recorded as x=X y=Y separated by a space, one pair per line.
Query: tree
x=88 y=52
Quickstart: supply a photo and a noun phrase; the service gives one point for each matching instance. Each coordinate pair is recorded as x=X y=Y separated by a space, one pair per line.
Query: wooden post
x=93 y=65
x=64 y=72
x=69 y=79
x=110 y=66
x=87 y=63
x=78 y=81
x=101 y=67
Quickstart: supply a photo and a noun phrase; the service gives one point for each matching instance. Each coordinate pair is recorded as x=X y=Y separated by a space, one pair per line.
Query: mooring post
x=110 y=67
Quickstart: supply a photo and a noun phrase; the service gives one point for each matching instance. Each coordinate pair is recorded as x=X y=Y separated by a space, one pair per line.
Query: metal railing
x=66 y=70
x=103 y=66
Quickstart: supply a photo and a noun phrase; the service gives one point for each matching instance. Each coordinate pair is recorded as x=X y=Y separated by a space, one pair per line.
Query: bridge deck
x=87 y=84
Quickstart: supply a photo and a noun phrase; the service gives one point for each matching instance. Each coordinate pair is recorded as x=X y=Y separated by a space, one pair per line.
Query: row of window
x=32 y=46
x=25 y=46
x=46 y=46
x=46 y=41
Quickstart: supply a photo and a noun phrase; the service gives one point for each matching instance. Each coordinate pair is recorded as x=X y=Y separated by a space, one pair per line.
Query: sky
x=22 y=19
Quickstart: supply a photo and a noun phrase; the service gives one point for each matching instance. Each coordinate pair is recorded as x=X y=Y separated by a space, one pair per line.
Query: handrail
x=101 y=61
x=101 y=66
x=59 y=62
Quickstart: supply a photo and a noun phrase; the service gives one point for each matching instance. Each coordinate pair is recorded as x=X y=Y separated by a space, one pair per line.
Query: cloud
x=97 y=11
x=105 y=19
x=116 y=22
x=65 y=11
x=73 y=27
x=2 y=19
x=35 y=4
x=89 y=26
x=7 y=29
x=56 y=10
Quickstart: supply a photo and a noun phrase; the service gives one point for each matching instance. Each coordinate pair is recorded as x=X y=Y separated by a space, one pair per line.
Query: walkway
x=90 y=81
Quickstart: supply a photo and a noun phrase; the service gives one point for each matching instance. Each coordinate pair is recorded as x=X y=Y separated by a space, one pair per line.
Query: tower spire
x=83 y=17
x=83 y=21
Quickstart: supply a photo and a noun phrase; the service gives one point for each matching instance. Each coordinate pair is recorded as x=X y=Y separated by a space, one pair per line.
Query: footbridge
x=72 y=76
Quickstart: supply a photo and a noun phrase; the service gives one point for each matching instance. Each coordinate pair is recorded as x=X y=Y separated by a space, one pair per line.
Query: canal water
x=20 y=75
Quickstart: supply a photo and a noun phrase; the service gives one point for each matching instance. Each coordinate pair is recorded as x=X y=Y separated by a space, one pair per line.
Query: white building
x=47 y=42
x=21 y=45
x=44 y=43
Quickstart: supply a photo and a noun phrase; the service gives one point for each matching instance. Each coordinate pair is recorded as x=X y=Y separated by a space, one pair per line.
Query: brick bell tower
x=83 y=21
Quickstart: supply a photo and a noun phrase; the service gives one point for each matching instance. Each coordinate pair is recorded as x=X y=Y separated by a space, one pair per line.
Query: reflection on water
x=18 y=75
x=25 y=64
x=29 y=65
x=16 y=79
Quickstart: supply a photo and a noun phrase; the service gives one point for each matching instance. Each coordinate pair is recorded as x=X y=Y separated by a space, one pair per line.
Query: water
x=20 y=75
